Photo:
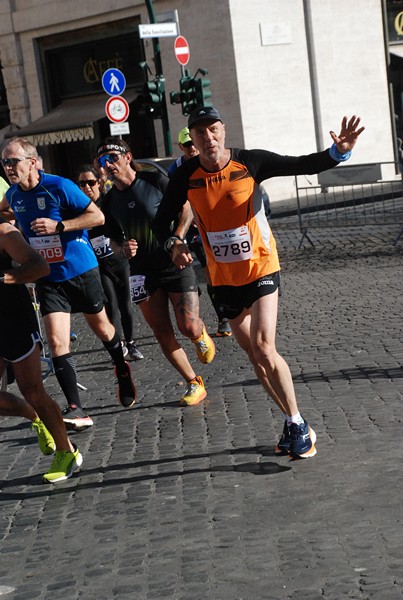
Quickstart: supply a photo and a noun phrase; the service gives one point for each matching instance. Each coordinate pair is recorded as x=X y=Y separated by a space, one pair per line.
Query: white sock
x=297 y=419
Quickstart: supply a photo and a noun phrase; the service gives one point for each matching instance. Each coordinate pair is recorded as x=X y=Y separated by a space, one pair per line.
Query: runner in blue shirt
x=53 y=214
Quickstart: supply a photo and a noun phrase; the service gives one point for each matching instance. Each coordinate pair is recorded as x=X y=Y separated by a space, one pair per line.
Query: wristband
x=338 y=156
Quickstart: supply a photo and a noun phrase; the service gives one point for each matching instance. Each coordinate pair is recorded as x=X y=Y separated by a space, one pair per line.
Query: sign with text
x=158 y=30
x=119 y=128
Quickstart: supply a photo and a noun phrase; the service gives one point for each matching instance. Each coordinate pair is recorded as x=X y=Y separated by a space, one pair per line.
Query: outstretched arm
x=348 y=135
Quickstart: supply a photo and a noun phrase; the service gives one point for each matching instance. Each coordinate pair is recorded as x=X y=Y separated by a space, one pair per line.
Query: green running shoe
x=63 y=466
x=45 y=440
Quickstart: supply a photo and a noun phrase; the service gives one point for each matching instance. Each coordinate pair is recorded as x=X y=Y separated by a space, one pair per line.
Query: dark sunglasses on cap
x=110 y=158
x=90 y=182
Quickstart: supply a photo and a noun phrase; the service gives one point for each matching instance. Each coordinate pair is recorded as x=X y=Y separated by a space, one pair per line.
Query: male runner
x=222 y=186
x=20 y=345
x=129 y=208
x=54 y=214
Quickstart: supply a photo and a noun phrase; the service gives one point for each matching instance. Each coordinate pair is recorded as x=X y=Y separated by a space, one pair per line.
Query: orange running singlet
x=229 y=212
x=230 y=216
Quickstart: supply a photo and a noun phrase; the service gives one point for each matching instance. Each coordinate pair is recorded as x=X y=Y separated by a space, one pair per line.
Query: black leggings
x=118 y=306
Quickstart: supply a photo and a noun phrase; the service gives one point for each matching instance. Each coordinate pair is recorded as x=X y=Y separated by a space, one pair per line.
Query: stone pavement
x=192 y=504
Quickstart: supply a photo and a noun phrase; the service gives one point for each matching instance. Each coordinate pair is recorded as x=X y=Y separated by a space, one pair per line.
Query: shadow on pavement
x=77 y=483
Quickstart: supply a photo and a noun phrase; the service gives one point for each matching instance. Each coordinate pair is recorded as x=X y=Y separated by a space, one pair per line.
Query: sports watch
x=60 y=227
x=170 y=242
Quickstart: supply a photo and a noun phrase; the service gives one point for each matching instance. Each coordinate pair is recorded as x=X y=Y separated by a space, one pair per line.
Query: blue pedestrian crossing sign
x=113 y=82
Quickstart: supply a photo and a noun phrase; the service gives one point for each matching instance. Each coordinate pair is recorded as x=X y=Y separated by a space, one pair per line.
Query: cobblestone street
x=179 y=503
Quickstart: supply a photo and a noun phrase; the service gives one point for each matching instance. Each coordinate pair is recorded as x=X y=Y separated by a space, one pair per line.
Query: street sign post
x=117 y=109
x=182 y=51
x=113 y=82
x=159 y=74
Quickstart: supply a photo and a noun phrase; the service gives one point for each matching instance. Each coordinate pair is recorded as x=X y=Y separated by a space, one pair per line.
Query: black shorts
x=19 y=324
x=21 y=347
x=178 y=280
x=234 y=299
x=20 y=335
x=81 y=294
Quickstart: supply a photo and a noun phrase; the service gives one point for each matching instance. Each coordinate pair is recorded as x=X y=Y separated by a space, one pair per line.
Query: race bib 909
x=49 y=246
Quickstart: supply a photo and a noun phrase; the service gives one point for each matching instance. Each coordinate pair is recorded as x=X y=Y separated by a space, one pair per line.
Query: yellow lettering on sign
x=399 y=23
x=93 y=70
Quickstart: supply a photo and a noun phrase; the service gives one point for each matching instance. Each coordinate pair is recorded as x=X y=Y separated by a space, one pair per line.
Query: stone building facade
x=283 y=73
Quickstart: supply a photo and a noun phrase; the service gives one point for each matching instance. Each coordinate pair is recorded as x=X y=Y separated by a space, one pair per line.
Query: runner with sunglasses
x=114 y=269
x=54 y=215
x=186 y=146
x=129 y=209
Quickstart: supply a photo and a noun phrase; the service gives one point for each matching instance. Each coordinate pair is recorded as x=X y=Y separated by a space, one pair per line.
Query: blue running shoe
x=284 y=443
x=303 y=440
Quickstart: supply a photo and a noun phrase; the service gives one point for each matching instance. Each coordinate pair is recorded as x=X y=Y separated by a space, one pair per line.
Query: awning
x=396 y=50
x=70 y=121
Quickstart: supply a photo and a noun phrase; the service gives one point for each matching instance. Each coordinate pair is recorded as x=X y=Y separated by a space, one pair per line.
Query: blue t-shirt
x=178 y=162
x=68 y=253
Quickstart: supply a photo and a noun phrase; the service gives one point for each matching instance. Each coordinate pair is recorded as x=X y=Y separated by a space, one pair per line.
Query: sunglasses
x=13 y=162
x=110 y=158
x=90 y=182
x=187 y=145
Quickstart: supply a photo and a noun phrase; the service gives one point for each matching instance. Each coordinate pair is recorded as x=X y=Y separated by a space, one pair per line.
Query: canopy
x=71 y=121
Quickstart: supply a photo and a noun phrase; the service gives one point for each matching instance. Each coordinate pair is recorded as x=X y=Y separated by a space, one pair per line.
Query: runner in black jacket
x=129 y=208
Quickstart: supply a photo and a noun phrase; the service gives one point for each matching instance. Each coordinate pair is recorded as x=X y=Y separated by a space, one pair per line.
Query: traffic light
x=188 y=94
x=201 y=93
x=193 y=93
x=175 y=97
x=153 y=96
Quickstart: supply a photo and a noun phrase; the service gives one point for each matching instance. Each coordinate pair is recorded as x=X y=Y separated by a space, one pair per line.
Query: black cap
x=202 y=113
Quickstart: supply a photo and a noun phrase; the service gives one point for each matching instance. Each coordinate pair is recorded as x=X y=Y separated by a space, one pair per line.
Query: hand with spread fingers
x=348 y=135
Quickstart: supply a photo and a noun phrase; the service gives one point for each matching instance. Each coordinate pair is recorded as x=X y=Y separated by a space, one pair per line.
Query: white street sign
x=119 y=128
x=158 y=30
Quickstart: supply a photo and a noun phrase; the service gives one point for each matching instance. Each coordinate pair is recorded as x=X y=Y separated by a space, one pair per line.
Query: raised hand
x=348 y=135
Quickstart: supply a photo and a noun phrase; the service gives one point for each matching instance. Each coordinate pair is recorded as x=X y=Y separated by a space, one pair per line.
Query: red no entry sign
x=182 y=51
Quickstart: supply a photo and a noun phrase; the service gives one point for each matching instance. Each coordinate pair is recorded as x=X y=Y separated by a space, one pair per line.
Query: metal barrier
x=350 y=196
